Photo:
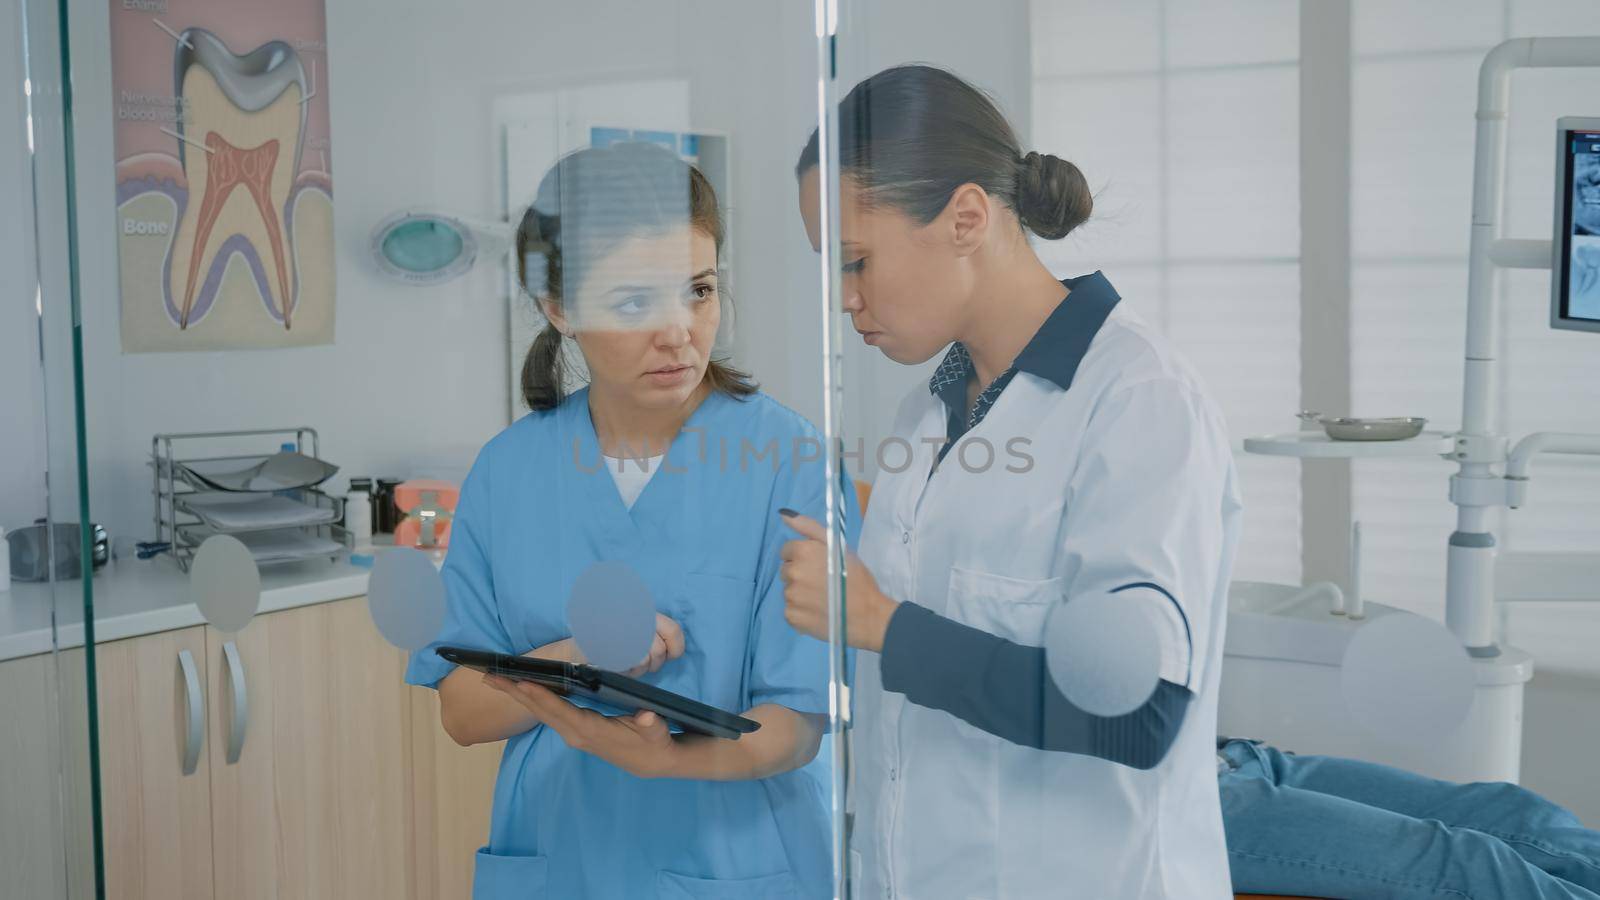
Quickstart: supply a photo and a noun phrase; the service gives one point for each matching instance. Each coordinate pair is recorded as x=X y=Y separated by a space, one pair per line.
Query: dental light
x=423 y=247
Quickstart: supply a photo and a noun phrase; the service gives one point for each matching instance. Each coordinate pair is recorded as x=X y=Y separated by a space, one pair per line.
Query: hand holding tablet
x=611 y=689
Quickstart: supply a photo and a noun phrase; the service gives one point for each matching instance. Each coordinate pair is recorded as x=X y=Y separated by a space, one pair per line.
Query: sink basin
x=1290 y=622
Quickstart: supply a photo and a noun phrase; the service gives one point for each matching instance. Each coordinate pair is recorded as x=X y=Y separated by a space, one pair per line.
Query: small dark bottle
x=385 y=516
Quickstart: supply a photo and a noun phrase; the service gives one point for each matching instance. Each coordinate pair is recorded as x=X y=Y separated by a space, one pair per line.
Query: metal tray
x=227 y=512
x=244 y=474
x=1348 y=429
x=283 y=545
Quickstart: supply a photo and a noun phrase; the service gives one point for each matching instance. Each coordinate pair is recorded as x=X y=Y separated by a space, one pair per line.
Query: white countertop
x=134 y=597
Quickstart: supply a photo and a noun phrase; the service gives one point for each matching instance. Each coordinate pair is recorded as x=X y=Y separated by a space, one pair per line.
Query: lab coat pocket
x=496 y=877
x=673 y=886
x=1011 y=608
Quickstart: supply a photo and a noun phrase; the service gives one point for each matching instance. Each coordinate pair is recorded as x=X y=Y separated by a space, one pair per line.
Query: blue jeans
x=1322 y=826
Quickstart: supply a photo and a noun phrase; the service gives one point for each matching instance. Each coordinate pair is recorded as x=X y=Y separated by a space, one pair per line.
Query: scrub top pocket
x=496 y=877
x=673 y=886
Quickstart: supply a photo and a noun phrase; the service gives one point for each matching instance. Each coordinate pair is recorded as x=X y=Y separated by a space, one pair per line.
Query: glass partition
x=710 y=449
x=47 y=789
x=1125 y=276
x=375 y=330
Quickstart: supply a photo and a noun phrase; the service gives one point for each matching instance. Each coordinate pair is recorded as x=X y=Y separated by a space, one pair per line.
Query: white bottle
x=5 y=562
x=358 y=517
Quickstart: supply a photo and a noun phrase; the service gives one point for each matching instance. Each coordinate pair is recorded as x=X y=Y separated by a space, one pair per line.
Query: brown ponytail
x=733 y=382
x=542 y=386
x=543 y=379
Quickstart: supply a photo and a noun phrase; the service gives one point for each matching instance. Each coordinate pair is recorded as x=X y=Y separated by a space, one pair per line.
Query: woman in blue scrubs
x=676 y=465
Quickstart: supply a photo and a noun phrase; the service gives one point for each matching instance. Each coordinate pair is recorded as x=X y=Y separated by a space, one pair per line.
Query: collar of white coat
x=1056 y=349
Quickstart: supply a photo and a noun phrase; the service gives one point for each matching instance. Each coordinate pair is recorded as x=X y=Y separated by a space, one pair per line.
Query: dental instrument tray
x=280 y=471
x=607 y=688
x=268 y=547
x=226 y=511
x=269 y=501
x=1352 y=429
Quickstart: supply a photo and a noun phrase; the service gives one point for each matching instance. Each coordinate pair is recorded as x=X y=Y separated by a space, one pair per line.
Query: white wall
x=1184 y=117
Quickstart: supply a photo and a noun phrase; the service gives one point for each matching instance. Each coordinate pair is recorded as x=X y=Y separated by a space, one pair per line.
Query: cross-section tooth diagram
x=225 y=216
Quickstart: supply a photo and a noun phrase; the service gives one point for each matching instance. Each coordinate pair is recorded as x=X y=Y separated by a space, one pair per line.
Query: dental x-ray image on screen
x=1575 y=280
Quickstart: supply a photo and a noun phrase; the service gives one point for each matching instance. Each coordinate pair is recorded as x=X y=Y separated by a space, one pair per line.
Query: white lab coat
x=1132 y=481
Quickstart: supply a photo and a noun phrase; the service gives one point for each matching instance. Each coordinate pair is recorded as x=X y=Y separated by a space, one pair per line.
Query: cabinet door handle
x=241 y=700
x=194 y=712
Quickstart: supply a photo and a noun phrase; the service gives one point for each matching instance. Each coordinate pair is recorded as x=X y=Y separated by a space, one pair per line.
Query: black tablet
x=617 y=691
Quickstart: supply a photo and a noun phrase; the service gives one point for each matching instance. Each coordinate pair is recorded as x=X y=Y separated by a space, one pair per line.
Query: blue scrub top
x=537 y=509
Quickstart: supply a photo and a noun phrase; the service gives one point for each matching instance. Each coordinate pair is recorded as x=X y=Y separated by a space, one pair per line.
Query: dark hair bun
x=1052 y=196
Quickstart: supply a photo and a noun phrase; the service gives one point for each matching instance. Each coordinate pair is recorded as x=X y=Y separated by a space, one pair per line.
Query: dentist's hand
x=805 y=589
x=665 y=646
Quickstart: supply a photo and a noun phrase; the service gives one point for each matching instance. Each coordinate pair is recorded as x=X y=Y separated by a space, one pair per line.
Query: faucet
x=1318 y=588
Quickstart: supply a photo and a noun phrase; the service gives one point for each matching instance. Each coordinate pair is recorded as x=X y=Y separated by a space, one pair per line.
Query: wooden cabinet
x=315 y=803
x=46 y=819
x=31 y=820
x=156 y=818
x=344 y=783
x=303 y=784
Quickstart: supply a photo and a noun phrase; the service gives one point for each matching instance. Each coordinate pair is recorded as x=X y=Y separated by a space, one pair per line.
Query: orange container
x=426 y=506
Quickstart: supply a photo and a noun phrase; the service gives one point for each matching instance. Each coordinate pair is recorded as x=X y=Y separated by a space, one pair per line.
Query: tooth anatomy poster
x=224 y=192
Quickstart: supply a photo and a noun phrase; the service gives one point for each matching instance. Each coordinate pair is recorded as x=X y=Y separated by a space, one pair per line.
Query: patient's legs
x=1540 y=831
x=1285 y=838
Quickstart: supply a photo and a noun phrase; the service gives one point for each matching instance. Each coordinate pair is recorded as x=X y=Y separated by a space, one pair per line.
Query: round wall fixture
x=423 y=248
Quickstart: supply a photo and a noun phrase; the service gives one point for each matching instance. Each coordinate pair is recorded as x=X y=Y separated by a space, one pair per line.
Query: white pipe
x=1517 y=253
x=1474 y=519
x=1549 y=442
x=1562 y=52
x=1480 y=384
x=1354 y=605
x=1335 y=596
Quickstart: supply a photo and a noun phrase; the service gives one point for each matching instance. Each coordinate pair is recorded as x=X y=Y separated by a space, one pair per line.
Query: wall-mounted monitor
x=1575 y=272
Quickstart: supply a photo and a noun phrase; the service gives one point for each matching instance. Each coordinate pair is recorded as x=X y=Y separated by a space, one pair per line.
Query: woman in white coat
x=1062 y=452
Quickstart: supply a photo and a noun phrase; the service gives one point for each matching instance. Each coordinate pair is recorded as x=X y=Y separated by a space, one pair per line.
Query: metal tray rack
x=180 y=527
